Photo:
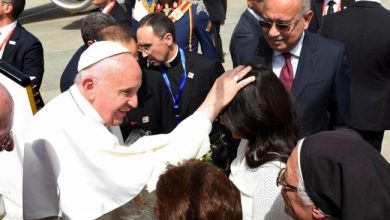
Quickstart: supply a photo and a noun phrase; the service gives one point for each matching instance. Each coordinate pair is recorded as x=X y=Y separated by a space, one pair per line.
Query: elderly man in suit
x=112 y=7
x=368 y=55
x=19 y=47
x=246 y=34
x=311 y=67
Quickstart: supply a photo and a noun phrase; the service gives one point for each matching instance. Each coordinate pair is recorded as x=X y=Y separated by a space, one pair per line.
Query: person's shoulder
x=201 y=59
x=26 y=35
x=323 y=42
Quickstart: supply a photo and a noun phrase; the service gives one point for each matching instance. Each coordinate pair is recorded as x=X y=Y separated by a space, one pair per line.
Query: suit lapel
x=305 y=67
x=8 y=48
x=264 y=53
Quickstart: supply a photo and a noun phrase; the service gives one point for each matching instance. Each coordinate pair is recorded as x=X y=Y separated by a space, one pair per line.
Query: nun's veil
x=346 y=177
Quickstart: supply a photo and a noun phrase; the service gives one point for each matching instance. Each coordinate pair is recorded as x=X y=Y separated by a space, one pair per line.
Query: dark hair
x=197 y=191
x=18 y=7
x=160 y=23
x=93 y=24
x=115 y=33
x=263 y=113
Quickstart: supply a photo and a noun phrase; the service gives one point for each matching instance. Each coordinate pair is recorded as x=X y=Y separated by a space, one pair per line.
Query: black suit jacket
x=70 y=72
x=121 y=16
x=316 y=7
x=155 y=105
x=368 y=55
x=216 y=9
x=320 y=87
x=243 y=43
x=25 y=52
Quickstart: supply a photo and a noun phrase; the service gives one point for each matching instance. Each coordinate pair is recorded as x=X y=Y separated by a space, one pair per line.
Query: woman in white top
x=262 y=114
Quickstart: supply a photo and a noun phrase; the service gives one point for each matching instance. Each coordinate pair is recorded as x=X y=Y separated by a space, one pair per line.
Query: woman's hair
x=196 y=191
x=263 y=113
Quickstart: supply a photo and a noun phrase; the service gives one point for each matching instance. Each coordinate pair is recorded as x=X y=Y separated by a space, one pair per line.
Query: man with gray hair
x=312 y=68
x=74 y=166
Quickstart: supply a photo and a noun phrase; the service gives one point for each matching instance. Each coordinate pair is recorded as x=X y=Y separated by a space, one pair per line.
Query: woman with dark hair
x=263 y=116
x=336 y=175
x=195 y=190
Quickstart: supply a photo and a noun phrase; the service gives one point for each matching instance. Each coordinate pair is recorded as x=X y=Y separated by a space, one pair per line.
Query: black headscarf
x=346 y=177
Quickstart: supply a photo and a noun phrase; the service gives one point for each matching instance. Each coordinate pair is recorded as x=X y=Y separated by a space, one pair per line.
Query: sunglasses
x=281 y=26
x=7 y=142
x=281 y=180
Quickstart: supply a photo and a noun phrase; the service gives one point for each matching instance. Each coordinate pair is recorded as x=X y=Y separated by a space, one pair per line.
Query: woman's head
x=196 y=190
x=263 y=113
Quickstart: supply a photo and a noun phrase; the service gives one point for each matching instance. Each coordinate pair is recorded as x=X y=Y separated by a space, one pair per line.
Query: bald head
x=6 y=110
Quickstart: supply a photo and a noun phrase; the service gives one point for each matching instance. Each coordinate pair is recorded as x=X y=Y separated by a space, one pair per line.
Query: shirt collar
x=6 y=29
x=296 y=51
x=336 y=1
x=84 y=106
x=257 y=16
x=170 y=62
x=105 y=9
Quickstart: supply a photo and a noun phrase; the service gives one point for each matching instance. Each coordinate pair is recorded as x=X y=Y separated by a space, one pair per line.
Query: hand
x=224 y=90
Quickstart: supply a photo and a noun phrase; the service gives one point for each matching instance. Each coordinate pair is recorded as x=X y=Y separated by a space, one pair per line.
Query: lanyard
x=177 y=97
x=110 y=8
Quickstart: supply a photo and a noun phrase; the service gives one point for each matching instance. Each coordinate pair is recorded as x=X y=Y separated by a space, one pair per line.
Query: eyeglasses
x=7 y=142
x=146 y=47
x=281 y=26
x=281 y=180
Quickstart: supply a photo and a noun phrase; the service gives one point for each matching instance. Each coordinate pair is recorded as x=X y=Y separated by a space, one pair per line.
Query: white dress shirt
x=260 y=197
x=4 y=32
x=69 y=147
x=278 y=58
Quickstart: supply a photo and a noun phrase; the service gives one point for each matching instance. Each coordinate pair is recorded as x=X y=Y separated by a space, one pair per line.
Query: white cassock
x=74 y=167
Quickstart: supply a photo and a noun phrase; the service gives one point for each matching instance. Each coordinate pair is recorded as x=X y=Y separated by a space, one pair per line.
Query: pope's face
x=116 y=93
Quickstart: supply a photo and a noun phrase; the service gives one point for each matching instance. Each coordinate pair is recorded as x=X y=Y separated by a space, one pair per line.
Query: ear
x=307 y=17
x=88 y=85
x=90 y=42
x=8 y=9
x=168 y=39
x=317 y=213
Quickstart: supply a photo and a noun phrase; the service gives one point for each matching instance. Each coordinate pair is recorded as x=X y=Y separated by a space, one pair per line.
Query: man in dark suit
x=311 y=67
x=113 y=8
x=243 y=43
x=321 y=8
x=368 y=55
x=19 y=47
x=175 y=82
x=217 y=11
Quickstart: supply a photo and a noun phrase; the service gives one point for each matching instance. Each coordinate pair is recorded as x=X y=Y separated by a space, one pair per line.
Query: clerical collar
x=174 y=60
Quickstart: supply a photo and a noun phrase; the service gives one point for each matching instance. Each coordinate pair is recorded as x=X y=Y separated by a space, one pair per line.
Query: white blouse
x=260 y=197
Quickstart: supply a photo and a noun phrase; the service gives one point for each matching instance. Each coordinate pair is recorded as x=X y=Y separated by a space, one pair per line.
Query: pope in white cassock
x=75 y=167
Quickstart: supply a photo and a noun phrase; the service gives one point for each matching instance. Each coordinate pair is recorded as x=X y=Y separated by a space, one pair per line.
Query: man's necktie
x=330 y=7
x=286 y=74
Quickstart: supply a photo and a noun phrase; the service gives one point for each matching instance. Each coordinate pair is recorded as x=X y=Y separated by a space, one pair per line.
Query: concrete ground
x=60 y=35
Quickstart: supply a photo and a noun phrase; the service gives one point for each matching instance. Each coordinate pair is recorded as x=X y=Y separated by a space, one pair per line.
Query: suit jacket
x=155 y=113
x=70 y=72
x=368 y=55
x=243 y=43
x=121 y=16
x=216 y=9
x=316 y=7
x=25 y=52
x=320 y=87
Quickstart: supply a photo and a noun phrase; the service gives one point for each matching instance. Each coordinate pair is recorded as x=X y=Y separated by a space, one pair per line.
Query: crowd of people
x=295 y=129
